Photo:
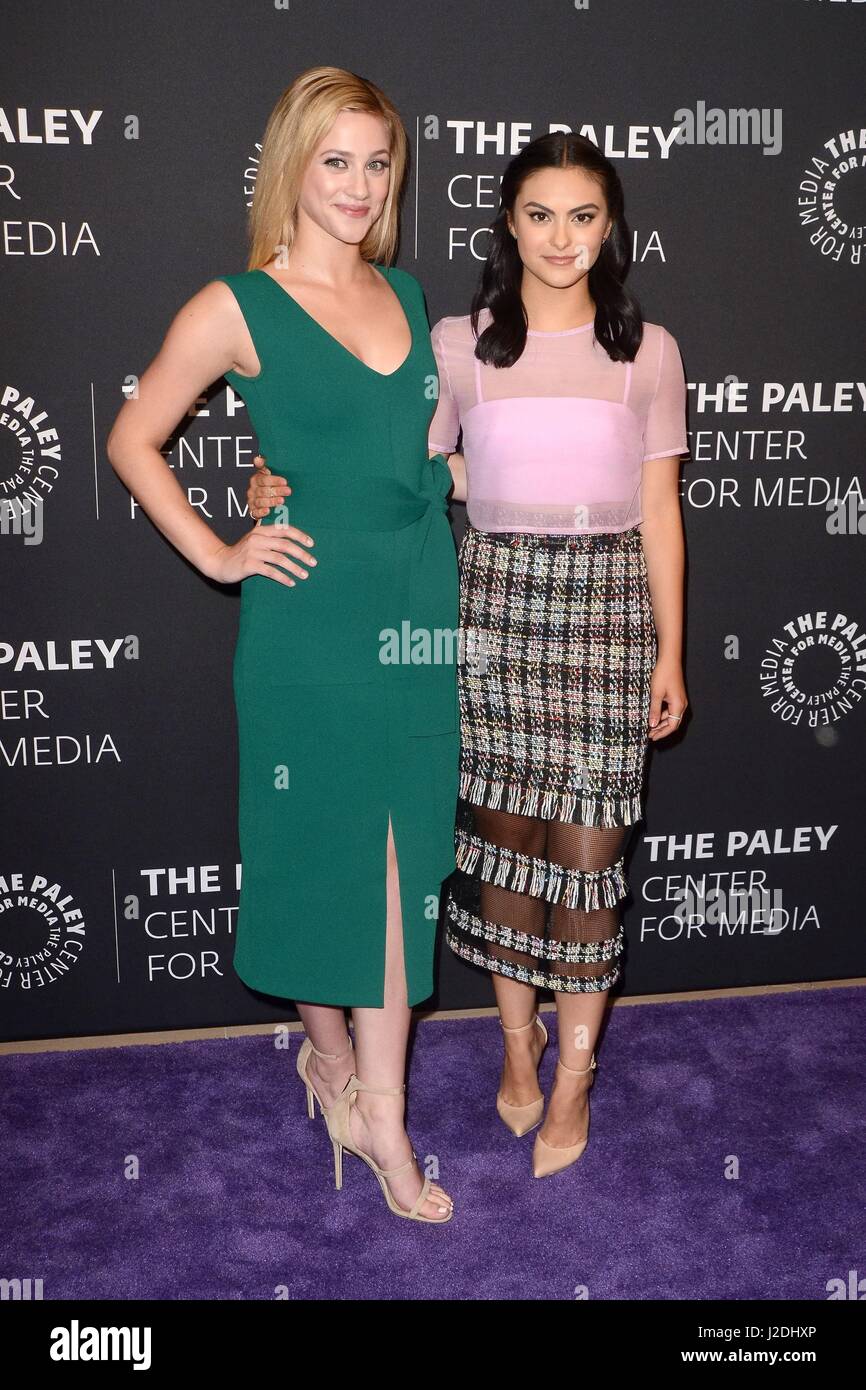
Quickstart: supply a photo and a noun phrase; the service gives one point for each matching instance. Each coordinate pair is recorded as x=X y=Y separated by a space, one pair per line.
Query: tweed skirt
x=554 y=688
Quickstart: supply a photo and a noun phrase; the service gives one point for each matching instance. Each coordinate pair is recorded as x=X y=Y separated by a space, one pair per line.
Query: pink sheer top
x=557 y=441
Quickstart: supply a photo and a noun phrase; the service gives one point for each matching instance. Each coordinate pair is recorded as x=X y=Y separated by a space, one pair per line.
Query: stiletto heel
x=338 y=1162
x=337 y=1120
x=306 y=1051
x=520 y=1119
x=550 y=1158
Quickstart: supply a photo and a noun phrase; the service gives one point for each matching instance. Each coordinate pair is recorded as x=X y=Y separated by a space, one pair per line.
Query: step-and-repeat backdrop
x=129 y=139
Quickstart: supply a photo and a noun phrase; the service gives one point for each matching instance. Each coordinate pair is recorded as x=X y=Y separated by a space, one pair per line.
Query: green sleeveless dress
x=345 y=685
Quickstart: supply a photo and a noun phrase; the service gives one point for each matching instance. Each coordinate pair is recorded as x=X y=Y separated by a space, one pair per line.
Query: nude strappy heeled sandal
x=520 y=1119
x=337 y=1120
x=548 y=1158
x=304 y=1055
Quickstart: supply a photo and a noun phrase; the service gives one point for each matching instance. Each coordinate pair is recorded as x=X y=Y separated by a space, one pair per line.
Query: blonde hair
x=300 y=119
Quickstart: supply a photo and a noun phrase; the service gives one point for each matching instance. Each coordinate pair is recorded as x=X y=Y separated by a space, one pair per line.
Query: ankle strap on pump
x=523 y=1027
x=577 y=1071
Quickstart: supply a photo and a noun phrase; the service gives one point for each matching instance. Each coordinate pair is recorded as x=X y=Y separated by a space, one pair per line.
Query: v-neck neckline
x=386 y=376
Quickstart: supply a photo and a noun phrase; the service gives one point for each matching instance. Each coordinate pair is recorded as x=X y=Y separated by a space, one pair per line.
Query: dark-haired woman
x=573 y=418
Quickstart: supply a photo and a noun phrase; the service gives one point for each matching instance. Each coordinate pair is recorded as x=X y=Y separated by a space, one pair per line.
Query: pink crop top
x=557 y=441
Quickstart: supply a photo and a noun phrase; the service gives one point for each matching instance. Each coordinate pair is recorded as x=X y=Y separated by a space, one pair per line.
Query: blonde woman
x=348 y=762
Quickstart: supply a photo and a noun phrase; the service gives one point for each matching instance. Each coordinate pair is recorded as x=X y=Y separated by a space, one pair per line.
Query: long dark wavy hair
x=618 y=318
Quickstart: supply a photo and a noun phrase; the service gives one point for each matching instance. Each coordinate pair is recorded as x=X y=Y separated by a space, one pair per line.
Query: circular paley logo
x=813 y=672
x=42 y=931
x=830 y=197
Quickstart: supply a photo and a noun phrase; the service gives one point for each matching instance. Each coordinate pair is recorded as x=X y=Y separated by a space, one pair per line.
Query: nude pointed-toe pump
x=520 y=1119
x=304 y=1055
x=548 y=1158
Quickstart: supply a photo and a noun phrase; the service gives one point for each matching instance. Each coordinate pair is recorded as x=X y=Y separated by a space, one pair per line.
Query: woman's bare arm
x=457 y=464
x=203 y=341
x=664 y=549
x=267 y=489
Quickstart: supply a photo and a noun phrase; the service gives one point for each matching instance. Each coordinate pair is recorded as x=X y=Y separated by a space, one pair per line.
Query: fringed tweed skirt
x=559 y=645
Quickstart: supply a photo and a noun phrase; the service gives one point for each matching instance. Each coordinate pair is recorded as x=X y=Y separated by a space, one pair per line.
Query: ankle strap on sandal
x=357 y=1084
x=332 y=1056
x=393 y=1172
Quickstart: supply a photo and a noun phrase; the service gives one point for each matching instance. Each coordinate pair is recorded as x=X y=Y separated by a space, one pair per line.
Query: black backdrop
x=119 y=855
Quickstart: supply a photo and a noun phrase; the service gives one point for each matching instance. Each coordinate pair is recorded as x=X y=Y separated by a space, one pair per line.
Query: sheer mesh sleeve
x=665 y=430
x=445 y=424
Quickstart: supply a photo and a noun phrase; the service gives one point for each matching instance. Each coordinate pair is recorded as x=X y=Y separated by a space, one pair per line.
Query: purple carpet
x=235 y=1195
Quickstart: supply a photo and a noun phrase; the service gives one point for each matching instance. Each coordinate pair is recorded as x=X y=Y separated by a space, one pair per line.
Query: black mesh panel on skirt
x=554 y=698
